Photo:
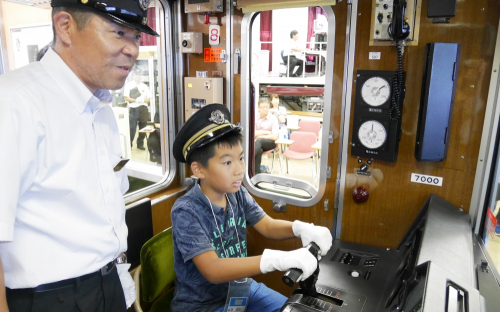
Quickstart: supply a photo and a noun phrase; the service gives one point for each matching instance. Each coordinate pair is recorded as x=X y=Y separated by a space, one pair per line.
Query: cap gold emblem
x=217 y=117
x=144 y=4
x=85 y=1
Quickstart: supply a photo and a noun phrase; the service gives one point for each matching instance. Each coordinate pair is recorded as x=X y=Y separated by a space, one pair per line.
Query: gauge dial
x=372 y=134
x=376 y=91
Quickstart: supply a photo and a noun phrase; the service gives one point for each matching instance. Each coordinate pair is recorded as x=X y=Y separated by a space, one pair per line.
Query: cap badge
x=144 y=4
x=85 y=1
x=217 y=117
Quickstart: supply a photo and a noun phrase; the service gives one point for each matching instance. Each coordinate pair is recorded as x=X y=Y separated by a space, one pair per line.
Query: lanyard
x=217 y=225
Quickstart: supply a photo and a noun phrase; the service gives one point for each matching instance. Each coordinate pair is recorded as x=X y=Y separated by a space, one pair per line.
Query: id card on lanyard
x=237 y=295
x=239 y=290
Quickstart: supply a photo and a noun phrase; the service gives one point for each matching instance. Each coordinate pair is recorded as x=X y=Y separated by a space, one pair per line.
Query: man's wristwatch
x=121 y=259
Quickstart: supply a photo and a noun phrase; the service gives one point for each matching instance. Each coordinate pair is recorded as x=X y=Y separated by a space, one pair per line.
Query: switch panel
x=382 y=16
x=348 y=258
x=191 y=42
x=370 y=262
x=199 y=6
x=200 y=92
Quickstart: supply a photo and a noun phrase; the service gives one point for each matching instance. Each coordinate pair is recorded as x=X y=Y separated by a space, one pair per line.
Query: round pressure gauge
x=372 y=134
x=375 y=91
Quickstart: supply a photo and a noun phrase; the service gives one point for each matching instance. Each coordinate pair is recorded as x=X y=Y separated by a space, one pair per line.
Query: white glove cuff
x=297 y=227
x=266 y=260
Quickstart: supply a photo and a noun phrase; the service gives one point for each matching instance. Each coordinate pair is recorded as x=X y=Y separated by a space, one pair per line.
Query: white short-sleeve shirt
x=143 y=90
x=62 y=212
x=294 y=44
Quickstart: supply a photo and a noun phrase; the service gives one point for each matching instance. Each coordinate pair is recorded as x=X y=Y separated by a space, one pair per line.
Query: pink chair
x=274 y=150
x=301 y=148
x=310 y=126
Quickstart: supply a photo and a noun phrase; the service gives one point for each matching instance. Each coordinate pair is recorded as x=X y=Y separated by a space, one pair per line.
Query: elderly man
x=266 y=132
x=62 y=216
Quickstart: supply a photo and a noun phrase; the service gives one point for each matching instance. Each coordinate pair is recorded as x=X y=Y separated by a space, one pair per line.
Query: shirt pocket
x=121 y=180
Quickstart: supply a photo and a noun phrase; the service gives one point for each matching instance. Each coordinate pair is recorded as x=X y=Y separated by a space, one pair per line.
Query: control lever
x=308 y=286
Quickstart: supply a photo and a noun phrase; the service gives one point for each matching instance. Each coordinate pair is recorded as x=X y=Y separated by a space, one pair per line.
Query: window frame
x=246 y=106
x=165 y=52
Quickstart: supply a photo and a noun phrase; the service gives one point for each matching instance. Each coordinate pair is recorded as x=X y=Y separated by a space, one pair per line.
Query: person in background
x=137 y=94
x=276 y=108
x=293 y=55
x=279 y=112
x=154 y=141
x=62 y=215
x=266 y=132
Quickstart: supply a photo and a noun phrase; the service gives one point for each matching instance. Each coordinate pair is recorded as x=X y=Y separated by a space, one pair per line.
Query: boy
x=209 y=222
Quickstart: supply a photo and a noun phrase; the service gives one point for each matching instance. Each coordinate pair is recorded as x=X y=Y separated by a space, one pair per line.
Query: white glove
x=308 y=232
x=272 y=260
x=127 y=282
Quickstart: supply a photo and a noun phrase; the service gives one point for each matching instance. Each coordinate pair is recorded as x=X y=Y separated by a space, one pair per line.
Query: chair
x=274 y=150
x=301 y=148
x=154 y=278
x=310 y=126
x=285 y=64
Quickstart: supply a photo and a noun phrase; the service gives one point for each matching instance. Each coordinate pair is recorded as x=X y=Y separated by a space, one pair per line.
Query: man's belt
x=76 y=280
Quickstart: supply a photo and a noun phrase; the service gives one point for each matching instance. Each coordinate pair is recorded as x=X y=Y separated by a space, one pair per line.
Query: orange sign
x=213 y=54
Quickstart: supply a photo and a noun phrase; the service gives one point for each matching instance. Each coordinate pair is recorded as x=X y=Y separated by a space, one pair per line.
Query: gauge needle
x=378 y=91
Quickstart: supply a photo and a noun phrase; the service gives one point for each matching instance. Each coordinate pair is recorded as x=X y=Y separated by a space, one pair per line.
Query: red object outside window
x=148 y=40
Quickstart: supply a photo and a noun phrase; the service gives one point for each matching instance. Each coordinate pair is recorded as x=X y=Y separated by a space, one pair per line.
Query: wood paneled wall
x=195 y=62
x=394 y=201
x=161 y=211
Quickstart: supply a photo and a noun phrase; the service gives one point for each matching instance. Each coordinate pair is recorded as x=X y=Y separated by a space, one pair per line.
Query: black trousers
x=138 y=115
x=261 y=145
x=294 y=62
x=154 y=146
x=97 y=294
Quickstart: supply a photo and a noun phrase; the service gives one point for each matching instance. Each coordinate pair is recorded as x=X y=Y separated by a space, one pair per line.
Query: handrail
x=165 y=197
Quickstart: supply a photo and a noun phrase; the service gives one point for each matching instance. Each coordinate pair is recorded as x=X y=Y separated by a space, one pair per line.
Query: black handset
x=398 y=31
x=377 y=112
x=399 y=28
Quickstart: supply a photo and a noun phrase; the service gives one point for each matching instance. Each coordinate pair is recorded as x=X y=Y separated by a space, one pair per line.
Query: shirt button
x=102 y=152
x=107 y=190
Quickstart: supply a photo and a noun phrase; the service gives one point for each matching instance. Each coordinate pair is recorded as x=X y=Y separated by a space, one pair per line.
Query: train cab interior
x=388 y=135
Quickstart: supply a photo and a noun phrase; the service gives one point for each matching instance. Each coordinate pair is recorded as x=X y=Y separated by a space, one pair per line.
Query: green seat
x=155 y=276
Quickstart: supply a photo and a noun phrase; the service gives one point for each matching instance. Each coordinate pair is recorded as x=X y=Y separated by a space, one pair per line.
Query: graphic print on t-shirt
x=229 y=247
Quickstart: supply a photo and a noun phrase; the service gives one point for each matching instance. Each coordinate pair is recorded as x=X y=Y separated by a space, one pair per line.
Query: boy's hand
x=308 y=232
x=273 y=260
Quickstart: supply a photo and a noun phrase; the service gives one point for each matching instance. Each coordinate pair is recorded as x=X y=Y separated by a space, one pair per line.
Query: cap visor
x=142 y=28
x=211 y=139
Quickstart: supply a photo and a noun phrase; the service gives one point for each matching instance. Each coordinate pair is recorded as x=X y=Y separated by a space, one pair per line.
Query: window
x=286 y=106
x=140 y=106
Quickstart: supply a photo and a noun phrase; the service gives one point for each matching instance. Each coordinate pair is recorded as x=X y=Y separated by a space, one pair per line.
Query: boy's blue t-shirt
x=195 y=232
